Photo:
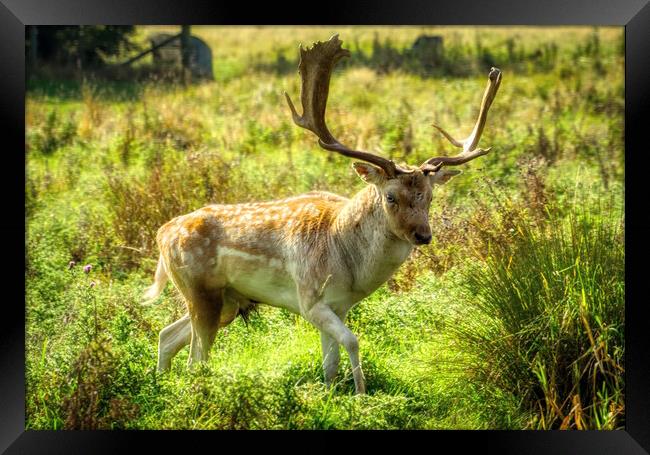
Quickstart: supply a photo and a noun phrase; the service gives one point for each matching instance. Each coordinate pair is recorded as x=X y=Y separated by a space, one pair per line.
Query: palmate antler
x=316 y=65
x=469 y=145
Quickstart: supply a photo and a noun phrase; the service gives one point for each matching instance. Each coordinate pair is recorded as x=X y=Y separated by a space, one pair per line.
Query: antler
x=316 y=65
x=469 y=145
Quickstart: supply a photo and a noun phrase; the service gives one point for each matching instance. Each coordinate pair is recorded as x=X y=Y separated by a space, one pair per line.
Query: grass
x=547 y=324
x=511 y=318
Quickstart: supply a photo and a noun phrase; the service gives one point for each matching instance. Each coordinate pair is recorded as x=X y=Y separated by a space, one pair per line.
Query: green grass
x=513 y=311
x=547 y=323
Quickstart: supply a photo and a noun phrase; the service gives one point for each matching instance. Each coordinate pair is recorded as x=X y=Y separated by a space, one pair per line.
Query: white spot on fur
x=233 y=252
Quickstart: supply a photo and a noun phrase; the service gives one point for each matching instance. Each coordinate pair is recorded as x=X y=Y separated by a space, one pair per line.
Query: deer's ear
x=442 y=176
x=370 y=173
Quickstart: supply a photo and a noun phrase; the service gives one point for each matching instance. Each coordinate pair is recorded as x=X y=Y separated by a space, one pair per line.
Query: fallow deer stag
x=317 y=254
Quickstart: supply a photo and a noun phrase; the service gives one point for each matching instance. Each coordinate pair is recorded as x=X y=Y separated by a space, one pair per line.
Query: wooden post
x=185 y=52
x=150 y=50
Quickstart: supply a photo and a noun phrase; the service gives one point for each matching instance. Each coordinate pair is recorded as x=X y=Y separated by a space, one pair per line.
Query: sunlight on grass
x=513 y=311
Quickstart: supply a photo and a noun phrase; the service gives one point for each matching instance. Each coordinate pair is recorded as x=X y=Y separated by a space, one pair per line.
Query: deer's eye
x=390 y=198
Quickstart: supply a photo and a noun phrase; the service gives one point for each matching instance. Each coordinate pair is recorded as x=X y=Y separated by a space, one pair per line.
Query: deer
x=317 y=254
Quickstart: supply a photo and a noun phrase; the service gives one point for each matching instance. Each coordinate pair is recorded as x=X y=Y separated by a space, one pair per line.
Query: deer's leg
x=331 y=357
x=176 y=336
x=171 y=340
x=325 y=320
x=205 y=311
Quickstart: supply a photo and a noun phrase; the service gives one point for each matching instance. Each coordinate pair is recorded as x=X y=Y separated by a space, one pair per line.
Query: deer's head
x=405 y=198
x=406 y=191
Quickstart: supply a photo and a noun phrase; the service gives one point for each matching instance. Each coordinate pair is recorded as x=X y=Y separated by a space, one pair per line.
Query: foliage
x=91 y=44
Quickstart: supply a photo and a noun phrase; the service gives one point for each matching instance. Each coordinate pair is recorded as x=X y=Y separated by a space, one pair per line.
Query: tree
x=86 y=45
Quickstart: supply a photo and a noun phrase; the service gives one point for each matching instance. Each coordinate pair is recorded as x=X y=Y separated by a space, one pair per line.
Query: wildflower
x=71 y=264
x=87 y=268
x=92 y=284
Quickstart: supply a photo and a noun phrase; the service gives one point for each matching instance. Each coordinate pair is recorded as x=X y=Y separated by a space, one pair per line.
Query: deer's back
x=254 y=248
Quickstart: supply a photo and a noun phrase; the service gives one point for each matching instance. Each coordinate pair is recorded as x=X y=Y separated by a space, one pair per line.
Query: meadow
x=513 y=316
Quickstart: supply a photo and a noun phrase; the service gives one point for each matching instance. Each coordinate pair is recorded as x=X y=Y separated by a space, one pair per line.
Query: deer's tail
x=153 y=291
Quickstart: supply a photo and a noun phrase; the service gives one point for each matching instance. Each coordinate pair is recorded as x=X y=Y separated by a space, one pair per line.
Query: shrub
x=90 y=404
x=173 y=187
x=547 y=321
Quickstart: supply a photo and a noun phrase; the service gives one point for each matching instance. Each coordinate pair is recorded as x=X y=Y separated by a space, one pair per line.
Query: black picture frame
x=634 y=15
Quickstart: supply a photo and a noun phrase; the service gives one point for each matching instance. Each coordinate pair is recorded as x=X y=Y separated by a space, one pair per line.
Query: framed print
x=414 y=217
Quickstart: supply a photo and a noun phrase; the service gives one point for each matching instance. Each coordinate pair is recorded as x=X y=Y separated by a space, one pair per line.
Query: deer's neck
x=371 y=252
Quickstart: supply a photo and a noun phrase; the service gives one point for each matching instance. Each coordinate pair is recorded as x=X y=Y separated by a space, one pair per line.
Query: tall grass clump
x=547 y=323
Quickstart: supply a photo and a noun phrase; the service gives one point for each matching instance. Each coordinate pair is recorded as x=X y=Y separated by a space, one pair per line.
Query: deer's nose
x=422 y=239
